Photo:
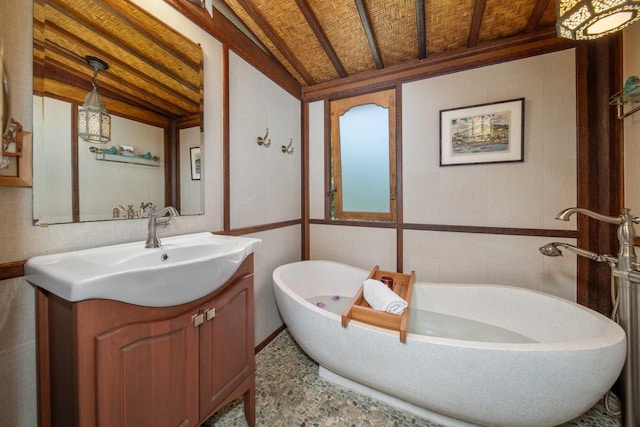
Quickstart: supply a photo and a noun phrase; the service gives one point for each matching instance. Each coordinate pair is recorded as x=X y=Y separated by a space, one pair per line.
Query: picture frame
x=195 y=157
x=483 y=133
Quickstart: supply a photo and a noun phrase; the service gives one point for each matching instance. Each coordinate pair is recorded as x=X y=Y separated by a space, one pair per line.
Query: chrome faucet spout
x=626 y=232
x=162 y=218
x=565 y=214
x=119 y=212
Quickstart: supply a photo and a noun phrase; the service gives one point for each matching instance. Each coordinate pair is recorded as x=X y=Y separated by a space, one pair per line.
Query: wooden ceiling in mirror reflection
x=155 y=74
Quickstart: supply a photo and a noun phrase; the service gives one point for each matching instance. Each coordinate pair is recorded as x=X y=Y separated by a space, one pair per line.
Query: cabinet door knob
x=197 y=319
x=210 y=313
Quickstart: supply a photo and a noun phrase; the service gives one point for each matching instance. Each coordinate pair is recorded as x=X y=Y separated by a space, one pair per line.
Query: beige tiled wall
x=515 y=195
x=17 y=354
x=358 y=246
x=525 y=195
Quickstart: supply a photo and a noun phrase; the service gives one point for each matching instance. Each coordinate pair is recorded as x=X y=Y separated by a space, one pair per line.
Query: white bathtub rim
x=612 y=335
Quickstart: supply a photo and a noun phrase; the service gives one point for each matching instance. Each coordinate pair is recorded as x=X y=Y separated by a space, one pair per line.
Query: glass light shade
x=94 y=124
x=590 y=19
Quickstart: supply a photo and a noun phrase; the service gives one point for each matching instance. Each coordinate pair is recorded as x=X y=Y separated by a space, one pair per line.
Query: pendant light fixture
x=590 y=19
x=94 y=124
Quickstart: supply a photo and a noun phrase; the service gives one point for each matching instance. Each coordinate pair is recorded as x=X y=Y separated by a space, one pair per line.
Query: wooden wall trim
x=259 y=228
x=533 y=232
x=270 y=338
x=600 y=163
x=304 y=187
x=399 y=184
x=226 y=137
x=75 y=169
x=11 y=270
x=328 y=189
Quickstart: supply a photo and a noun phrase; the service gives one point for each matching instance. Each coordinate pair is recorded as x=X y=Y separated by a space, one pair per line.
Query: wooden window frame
x=385 y=99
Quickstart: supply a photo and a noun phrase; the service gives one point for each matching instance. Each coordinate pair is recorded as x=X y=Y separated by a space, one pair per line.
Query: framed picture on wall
x=194 y=153
x=485 y=133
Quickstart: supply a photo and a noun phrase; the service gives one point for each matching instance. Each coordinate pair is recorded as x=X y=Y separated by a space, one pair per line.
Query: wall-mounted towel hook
x=288 y=149
x=262 y=140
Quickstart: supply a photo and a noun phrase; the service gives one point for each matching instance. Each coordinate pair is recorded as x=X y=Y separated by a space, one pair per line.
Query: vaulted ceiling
x=321 y=40
x=303 y=45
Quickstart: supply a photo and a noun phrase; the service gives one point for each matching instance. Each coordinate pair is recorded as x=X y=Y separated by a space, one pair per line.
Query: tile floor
x=290 y=393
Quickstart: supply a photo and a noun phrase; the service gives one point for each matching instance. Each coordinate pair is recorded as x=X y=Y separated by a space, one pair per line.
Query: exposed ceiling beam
x=227 y=33
x=476 y=22
x=368 y=30
x=536 y=15
x=312 y=20
x=221 y=7
x=487 y=53
x=422 y=32
x=270 y=32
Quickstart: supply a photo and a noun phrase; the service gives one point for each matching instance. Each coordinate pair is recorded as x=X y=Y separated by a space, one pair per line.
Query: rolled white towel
x=381 y=298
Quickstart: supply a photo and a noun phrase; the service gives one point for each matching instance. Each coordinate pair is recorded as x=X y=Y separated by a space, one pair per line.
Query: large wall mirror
x=153 y=90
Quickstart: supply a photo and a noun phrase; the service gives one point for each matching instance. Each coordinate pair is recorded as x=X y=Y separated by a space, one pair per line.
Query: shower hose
x=614 y=317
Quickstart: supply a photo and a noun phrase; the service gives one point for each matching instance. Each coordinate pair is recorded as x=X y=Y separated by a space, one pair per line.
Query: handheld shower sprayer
x=553 y=250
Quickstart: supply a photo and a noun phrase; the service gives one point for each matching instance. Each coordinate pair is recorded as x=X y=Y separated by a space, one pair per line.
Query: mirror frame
x=12 y=131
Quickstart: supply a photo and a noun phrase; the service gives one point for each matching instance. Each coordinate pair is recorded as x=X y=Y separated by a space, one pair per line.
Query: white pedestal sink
x=183 y=269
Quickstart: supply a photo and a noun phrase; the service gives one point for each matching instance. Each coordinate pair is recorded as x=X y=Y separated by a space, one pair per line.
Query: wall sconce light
x=288 y=148
x=590 y=19
x=262 y=140
x=94 y=124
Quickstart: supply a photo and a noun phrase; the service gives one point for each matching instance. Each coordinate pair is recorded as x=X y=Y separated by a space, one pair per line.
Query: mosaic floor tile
x=290 y=393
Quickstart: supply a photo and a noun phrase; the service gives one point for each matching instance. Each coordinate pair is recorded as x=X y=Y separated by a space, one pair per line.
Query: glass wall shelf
x=103 y=155
x=630 y=94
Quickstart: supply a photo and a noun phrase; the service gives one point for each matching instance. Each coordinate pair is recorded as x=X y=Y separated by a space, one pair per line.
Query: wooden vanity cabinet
x=107 y=363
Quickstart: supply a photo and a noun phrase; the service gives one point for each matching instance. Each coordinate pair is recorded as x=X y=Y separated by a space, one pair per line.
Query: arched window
x=363 y=157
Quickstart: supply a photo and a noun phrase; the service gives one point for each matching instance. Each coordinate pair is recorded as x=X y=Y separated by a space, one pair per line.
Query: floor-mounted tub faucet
x=626 y=270
x=162 y=218
x=627 y=259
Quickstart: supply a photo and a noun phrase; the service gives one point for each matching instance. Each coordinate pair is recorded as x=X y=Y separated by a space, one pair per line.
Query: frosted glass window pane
x=364 y=157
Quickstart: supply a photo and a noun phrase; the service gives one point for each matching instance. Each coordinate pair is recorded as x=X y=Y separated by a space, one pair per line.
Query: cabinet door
x=226 y=344
x=147 y=374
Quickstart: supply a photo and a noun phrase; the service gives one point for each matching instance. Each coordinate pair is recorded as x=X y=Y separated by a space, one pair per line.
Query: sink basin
x=182 y=270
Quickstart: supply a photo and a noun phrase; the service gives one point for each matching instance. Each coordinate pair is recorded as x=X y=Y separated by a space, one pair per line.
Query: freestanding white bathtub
x=486 y=355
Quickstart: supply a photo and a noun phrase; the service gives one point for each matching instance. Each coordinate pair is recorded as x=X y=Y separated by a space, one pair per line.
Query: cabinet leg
x=250 y=402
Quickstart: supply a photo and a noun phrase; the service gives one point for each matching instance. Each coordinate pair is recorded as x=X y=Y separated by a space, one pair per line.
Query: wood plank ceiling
x=321 y=40
x=155 y=74
x=312 y=42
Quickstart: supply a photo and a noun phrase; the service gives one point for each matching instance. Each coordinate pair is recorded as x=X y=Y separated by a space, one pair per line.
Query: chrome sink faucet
x=162 y=218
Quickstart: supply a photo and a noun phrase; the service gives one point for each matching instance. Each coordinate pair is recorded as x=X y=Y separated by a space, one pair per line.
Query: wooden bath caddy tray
x=359 y=310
